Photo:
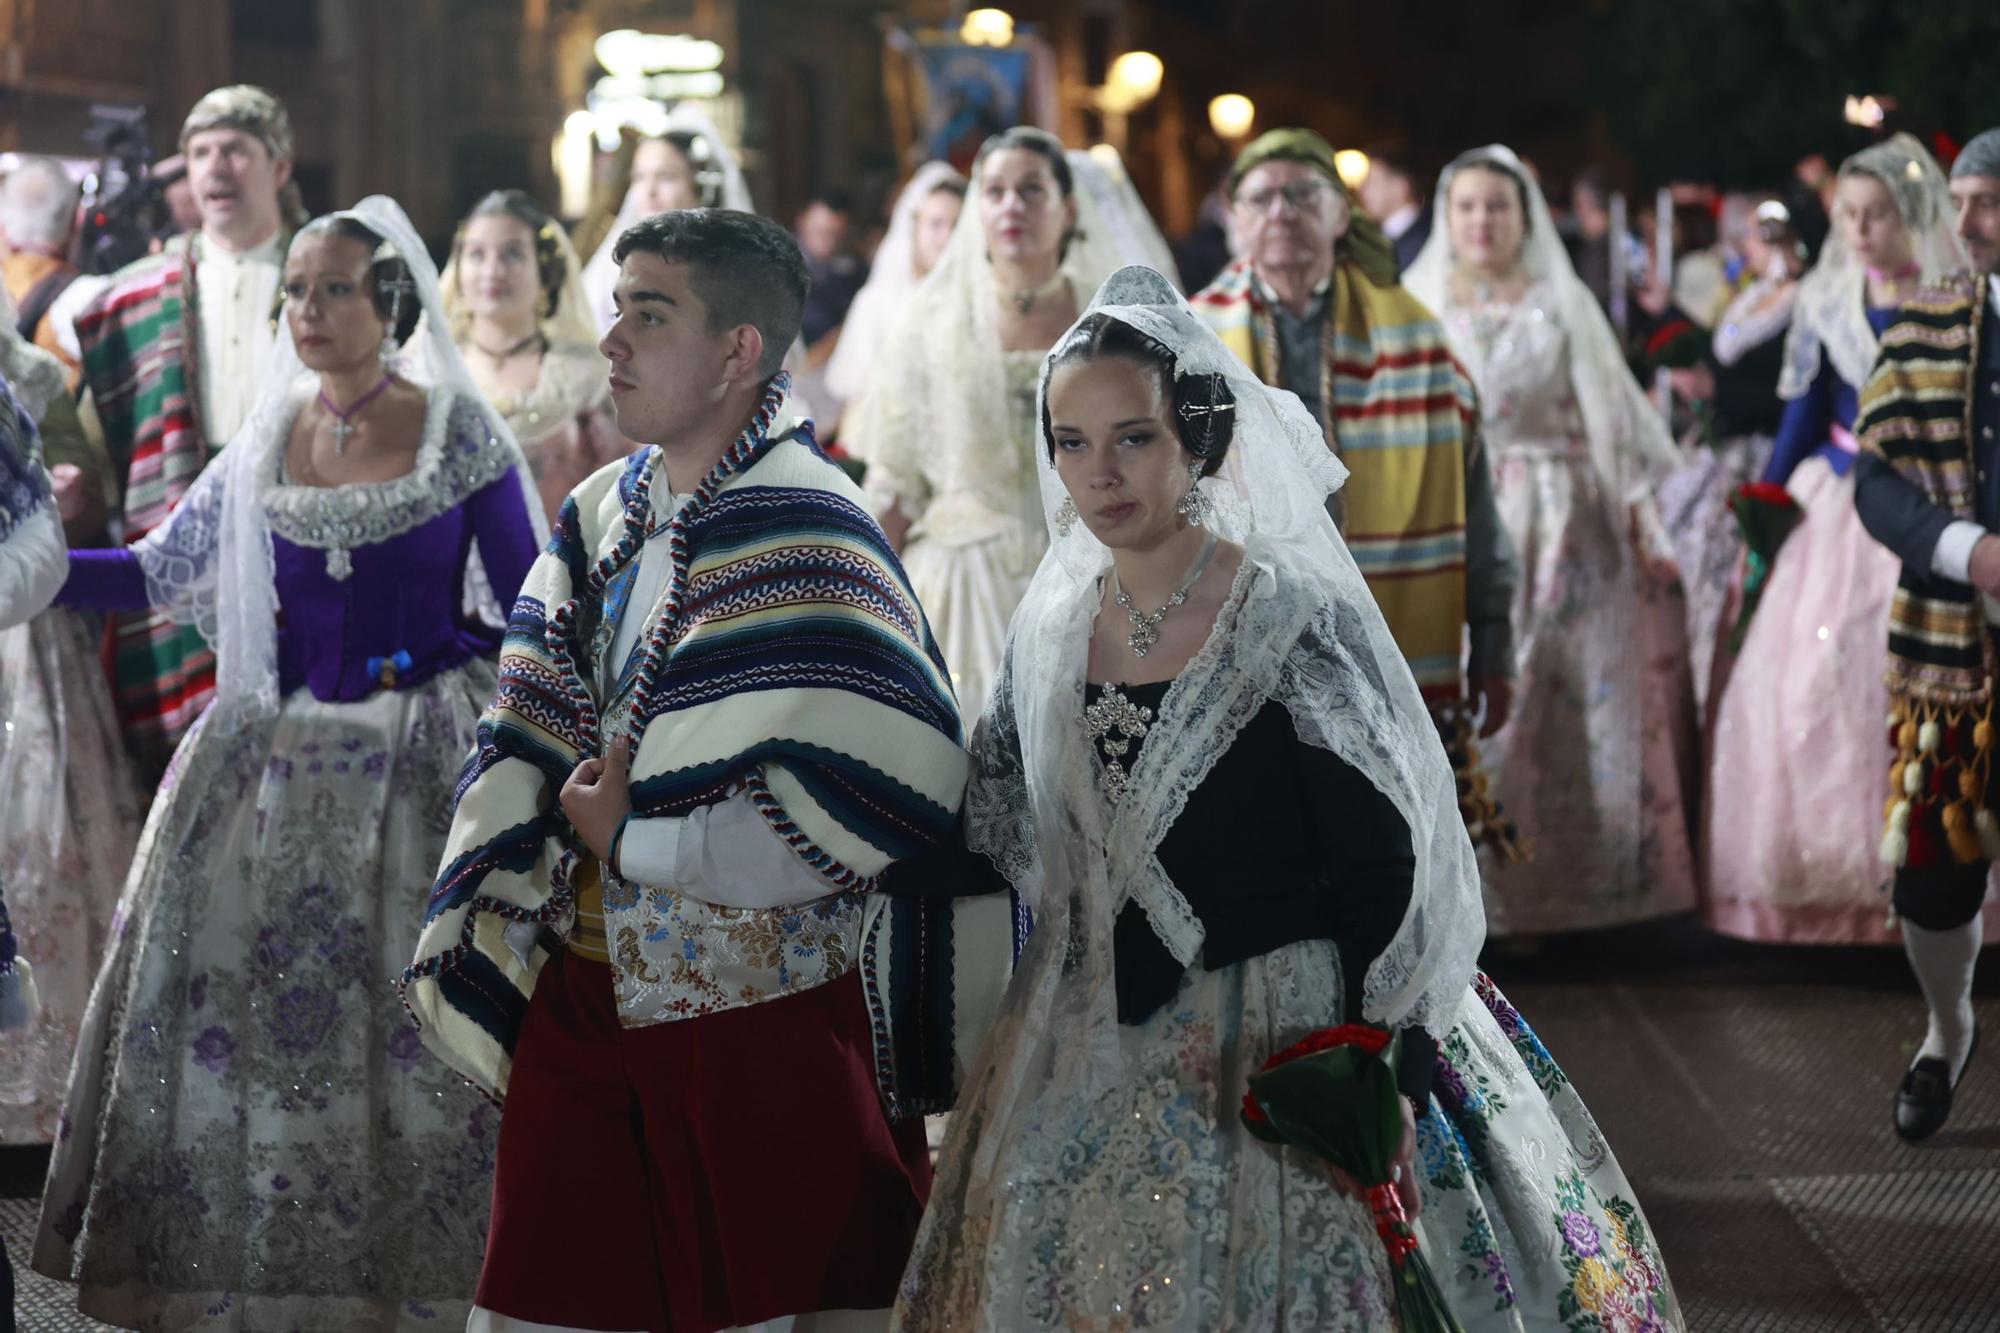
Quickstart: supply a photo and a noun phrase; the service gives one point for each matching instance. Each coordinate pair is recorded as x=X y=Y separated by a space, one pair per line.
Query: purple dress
x=253 y=1136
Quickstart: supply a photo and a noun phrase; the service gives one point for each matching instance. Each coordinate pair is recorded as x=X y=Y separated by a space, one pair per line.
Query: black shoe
x=1923 y=1101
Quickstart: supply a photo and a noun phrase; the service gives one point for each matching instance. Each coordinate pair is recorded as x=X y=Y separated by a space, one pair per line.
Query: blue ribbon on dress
x=390 y=669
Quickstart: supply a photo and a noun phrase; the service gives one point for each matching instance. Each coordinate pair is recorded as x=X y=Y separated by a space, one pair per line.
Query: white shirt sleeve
x=726 y=854
x=34 y=561
x=1951 y=558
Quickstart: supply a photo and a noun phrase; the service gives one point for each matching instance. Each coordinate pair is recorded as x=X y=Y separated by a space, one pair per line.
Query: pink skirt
x=1792 y=837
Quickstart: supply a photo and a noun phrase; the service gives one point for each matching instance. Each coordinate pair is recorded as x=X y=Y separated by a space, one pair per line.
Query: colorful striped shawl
x=139 y=343
x=789 y=653
x=1916 y=412
x=1401 y=414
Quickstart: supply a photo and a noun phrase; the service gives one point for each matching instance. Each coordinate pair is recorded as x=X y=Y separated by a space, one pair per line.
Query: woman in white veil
x=1594 y=762
x=947 y=425
x=904 y=259
x=513 y=293
x=1798 y=781
x=687 y=165
x=256 y=1128
x=1095 y=1167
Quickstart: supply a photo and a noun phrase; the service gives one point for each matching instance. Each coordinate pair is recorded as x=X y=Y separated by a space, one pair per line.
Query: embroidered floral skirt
x=1708 y=549
x=1597 y=763
x=254 y=1138
x=1151 y=1207
x=69 y=816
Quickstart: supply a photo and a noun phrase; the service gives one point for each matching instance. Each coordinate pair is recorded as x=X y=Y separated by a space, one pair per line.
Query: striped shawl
x=789 y=654
x=1916 y=412
x=139 y=340
x=1401 y=415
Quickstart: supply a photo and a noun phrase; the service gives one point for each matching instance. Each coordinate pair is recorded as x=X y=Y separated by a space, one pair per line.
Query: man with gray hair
x=173 y=350
x=1927 y=485
x=37 y=217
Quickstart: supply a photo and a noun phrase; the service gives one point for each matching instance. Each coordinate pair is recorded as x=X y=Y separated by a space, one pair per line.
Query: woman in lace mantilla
x=1596 y=761
x=1198 y=653
x=259 y=1140
x=1799 y=781
x=947 y=427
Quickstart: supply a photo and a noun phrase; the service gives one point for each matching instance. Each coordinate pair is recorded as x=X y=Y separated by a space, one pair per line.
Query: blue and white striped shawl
x=790 y=654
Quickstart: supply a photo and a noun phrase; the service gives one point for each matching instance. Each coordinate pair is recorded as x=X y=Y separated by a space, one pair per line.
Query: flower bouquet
x=1334 y=1094
x=1767 y=514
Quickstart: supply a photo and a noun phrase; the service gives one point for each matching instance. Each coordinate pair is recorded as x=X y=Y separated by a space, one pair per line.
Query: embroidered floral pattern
x=260 y=1131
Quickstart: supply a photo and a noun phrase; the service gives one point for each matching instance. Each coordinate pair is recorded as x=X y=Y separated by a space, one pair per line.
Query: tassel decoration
x=1988 y=828
x=1913 y=779
x=1895 y=849
x=1899 y=816
x=1927 y=738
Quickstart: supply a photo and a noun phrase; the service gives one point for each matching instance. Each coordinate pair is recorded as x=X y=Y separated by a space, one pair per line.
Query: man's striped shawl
x=139 y=343
x=788 y=653
x=1402 y=415
x=1916 y=411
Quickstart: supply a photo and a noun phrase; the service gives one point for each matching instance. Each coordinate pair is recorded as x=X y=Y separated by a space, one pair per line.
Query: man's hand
x=1494 y=694
x=598 y=796
x=66 y=481
x=1405 y=1168
x=1984 y=567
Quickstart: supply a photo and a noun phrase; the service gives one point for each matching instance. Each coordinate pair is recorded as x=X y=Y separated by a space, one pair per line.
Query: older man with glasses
x=1313 y=305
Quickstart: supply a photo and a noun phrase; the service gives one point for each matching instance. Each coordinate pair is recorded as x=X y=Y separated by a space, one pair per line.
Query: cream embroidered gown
x=978 y=532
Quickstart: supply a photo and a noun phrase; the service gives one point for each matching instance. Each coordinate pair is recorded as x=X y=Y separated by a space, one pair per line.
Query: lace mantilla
x=457 y=457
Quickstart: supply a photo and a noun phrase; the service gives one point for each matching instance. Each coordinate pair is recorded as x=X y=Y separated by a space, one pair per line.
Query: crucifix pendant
x=342 y=429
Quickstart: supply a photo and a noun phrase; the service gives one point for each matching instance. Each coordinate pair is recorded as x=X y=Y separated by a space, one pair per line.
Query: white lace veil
x=1121 y=213
x=1830 y=313
x=1630 y=444
x=569 y=320
x=939 y=375
x=1300 y=628
x=719 y=183
x=211 y=563
x=892 y=276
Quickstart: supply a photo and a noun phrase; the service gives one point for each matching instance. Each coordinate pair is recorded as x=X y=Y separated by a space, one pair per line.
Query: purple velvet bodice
x=344 y=611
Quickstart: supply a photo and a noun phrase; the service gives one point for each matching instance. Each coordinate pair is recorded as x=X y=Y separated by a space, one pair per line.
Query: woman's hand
x=598 y=796
x=1649 y=546
x=1403 y=1171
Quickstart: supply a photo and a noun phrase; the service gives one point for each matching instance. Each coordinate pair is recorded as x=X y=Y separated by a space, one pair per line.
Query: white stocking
x=1943 y=961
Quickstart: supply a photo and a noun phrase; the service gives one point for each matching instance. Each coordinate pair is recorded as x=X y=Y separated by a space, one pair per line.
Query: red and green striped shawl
x=139 y=341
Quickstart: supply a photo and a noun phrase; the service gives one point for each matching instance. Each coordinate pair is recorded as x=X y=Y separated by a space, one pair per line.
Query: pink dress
x=1791 y=843
x=1595 y=763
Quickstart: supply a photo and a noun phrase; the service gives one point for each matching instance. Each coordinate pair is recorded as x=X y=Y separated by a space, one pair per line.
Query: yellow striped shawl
x=1401 y=414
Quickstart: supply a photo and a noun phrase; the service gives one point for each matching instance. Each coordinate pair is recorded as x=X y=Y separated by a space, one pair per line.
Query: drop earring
x=1195 y=506
x=1066 y=517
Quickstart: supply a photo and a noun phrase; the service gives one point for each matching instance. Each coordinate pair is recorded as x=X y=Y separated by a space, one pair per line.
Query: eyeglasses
x=1303 y=195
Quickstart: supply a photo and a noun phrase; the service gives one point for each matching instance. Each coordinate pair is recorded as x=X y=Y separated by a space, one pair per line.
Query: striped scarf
x=139 y=340
x=1916 y=412
x=1401 y=414
x=788 y=654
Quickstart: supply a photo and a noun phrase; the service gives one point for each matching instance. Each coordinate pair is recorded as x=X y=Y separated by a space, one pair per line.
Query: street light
x=1231 y=115
x=1137 y=74
x=1352 y=164
x=987 y=27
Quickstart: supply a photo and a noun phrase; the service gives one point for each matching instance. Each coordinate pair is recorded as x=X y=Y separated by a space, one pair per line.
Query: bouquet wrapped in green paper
x=1766 y=513
x=1334 y=1094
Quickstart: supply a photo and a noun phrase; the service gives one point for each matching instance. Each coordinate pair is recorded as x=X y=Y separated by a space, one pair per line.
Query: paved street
x=1746 y=1090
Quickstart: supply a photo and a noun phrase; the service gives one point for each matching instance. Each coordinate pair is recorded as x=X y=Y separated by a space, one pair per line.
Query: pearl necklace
x=1146 y=628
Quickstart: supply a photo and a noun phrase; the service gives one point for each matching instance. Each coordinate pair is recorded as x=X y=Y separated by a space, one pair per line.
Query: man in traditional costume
x=1314 y=306
x=1928 y=487
x=173 y=350
x=721 y=716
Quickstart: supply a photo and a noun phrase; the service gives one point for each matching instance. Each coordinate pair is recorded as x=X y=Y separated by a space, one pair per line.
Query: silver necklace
x=1024 y=302
x=1146 y=628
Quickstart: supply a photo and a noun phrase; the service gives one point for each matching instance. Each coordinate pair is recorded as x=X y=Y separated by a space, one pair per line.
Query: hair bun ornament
x=1205 y=407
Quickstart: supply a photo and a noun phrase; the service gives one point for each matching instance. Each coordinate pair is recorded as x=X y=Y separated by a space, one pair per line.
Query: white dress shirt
x=235 y=297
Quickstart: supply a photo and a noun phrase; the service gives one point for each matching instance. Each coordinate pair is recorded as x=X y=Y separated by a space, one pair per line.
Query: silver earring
x=1195 y=506
x=1066 y=516
x=389 y=346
